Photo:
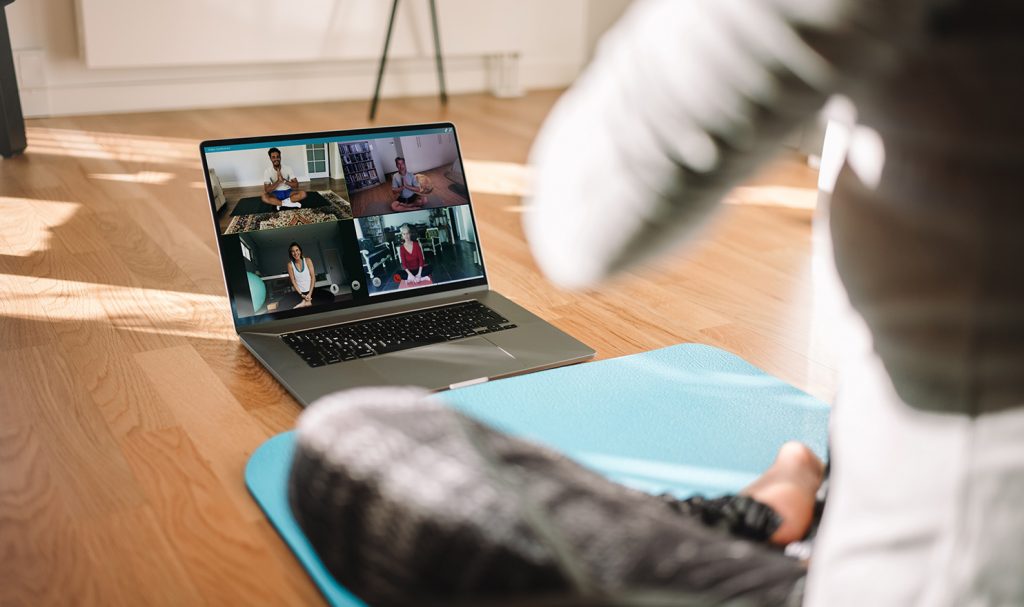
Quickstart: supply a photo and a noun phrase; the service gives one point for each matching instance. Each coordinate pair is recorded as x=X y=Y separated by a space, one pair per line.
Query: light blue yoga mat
x=683 y=419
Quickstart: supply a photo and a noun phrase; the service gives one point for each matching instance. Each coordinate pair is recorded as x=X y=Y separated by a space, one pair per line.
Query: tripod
x=384 y=56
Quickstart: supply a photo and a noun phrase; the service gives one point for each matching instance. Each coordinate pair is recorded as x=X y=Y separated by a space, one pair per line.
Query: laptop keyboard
x=362 y=339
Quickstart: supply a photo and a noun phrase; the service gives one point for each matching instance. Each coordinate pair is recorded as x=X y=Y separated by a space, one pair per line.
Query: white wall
x=271 y=31
x=384 y=153
x=424 y=152
x=336 y=170
x=601 y=16
x=54 y=78
x=242 y=168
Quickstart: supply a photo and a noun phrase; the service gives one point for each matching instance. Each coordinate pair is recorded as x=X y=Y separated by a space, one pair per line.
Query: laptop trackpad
x=441 y=365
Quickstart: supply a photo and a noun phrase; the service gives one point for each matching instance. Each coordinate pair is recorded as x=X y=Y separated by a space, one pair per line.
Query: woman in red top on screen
x=411 y=253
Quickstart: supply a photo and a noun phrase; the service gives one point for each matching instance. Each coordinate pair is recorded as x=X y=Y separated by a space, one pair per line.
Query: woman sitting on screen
x=300 y=270
x=411 y=254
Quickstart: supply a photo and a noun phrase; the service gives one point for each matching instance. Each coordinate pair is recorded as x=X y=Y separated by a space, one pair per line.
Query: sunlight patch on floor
x=788 y=197
x=112 y=146
x=763 y=195
x=514 y=179
x=150 y=177
x=123 y=307
x=28 y=224
x=502 y=178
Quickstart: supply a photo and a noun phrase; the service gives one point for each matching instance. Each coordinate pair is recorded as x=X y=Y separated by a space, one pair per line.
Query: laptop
x=352 y=258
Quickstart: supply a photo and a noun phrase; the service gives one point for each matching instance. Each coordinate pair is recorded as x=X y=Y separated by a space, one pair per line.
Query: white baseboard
x=310 y=83
x=35 y=102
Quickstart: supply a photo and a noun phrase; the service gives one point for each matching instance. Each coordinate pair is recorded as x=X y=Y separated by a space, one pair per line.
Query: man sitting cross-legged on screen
x=406 y=188
x=280 y=186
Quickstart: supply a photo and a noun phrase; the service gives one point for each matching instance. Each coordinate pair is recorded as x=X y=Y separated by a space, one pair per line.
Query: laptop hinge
x=364 y=312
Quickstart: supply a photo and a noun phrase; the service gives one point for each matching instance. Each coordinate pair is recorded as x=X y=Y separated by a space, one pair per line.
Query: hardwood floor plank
x=84 y=459
x=146 y=318
x=29 y=223
x=226 y=561
x=218 y=425
x=24 y=323
x=69 y=219
x=103 y=366
x=144 y=557
x=42 y=556
x=275 y=419
x=246 y=379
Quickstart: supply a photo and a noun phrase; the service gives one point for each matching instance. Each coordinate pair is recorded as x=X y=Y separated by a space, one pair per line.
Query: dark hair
x=271 y=151
x=294 y=244
x=397 y=158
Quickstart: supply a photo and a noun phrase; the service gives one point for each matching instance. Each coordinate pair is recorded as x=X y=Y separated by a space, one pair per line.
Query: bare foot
x=789 y=486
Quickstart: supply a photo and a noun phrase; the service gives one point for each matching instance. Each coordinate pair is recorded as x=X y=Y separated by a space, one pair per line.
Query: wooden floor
x=128 y=408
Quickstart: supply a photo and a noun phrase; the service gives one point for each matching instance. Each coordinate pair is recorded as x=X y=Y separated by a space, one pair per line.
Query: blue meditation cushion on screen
x=258 y=290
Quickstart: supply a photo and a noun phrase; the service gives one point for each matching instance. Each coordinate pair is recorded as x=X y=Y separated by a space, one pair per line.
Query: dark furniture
x=357 y=163
x=12 y=122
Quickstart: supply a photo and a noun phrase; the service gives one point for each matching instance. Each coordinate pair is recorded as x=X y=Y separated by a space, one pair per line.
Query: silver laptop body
x=359 y=212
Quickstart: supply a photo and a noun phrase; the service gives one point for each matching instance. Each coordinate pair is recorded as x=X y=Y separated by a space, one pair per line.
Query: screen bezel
x=223 y=244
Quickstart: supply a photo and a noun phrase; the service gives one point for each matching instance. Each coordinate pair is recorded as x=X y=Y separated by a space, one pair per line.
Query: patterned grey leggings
x=409 y=502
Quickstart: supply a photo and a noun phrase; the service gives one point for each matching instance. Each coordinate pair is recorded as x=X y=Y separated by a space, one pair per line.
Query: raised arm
x=683 y=101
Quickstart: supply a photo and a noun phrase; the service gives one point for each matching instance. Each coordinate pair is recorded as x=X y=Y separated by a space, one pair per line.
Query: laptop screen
x=322 y=221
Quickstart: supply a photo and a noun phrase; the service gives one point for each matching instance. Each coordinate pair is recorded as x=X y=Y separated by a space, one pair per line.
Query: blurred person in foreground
x=686 y=99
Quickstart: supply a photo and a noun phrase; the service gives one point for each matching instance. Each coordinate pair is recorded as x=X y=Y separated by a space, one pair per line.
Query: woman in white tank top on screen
x=300 y=270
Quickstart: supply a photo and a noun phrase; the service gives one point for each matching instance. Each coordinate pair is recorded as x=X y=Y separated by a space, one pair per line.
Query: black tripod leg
x=383 y=60
x=437 y=53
